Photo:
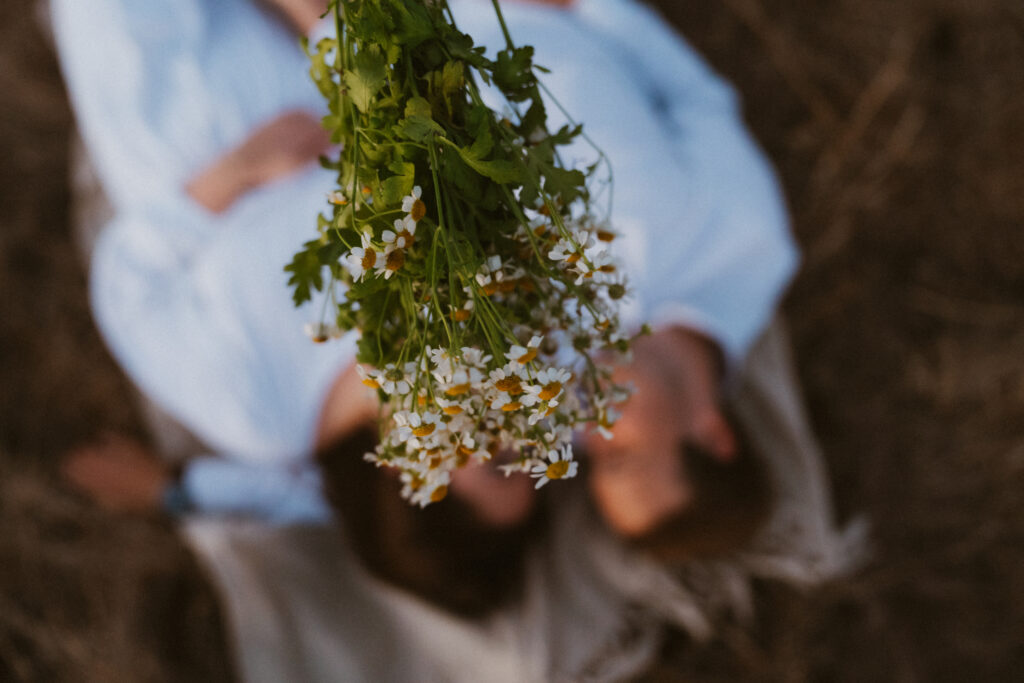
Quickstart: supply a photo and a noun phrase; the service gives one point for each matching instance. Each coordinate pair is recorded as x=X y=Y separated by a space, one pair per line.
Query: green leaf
x=366 y=77
x=318 y=69
x=500 y=170
x=452 y=77
x=418 y=106
x=513 y=74
x=567 y=184
x=413 y=24
x=306 y=272
x=482 y=146
x=418 y=128
x=398 y=185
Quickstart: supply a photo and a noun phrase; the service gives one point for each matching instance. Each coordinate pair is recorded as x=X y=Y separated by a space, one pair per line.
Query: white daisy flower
x=466 y=449
x=524 y=355
x=549 y=383
x=420 y=425
x=602 y=266
x=460 y=382
x=392 y=259
x=413 y=205
x=423 y=489
x=321 y=332
x=475 y=357
x=434 y=491
x=337 y=198
x=508 y=379
x=394 y=380
x=403 y=235
x=506 y=403
x=370 y=378
x=463 y=314
x=564 y=250
x=541 y=411
x=490 y=275
x=559 y=465
x=452 y=407
x=606 y=421
x=362 y=260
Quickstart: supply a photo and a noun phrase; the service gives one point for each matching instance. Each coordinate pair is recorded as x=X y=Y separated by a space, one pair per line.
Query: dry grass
x=898 y=129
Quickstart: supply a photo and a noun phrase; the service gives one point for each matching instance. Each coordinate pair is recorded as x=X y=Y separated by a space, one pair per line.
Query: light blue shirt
x=195 y=306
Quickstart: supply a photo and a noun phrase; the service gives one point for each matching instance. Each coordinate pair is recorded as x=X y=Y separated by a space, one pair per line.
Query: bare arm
x=302 y=15
x=280 y=147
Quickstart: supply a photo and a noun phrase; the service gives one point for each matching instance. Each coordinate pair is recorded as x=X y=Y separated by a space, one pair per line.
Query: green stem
x=504 y=26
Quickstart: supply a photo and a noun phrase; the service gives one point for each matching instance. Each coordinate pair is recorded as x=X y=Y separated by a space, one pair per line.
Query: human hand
x=119 y=474
x=301 y=14
x=638 y=478
x=278 y=148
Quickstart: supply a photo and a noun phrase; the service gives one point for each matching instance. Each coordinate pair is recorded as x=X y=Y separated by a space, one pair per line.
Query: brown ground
x=898 y=129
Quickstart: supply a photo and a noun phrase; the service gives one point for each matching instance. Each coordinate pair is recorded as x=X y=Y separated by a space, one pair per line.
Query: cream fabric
x=300 y=608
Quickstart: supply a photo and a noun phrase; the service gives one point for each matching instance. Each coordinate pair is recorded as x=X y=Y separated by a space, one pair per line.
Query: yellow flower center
x=605 y=236
x=438 y=494
x=419 y=210
x=511 y=405
x=550 y=391
x=464 y=450
x=409 y=238
x=572 y=258
x=528 y=356
x=461 y=315
x=507 y=286
x=490 y=288
x=395 y=260
x=608 y=268
x=424 y=429
x=369 y=259
x=457 y=389
x=453 y=410
x=557 y=470
x=371 y=382
x=511 y=385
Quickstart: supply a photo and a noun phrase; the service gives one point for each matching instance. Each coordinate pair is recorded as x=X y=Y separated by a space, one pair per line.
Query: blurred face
x=638 y=478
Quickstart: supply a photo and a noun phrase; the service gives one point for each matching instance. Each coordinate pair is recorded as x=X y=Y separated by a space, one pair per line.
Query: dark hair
x=442 y=553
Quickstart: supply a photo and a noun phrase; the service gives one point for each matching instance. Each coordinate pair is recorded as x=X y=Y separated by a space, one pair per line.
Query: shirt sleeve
x=279 y=494
x=195 y=306
x=705 y=230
